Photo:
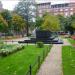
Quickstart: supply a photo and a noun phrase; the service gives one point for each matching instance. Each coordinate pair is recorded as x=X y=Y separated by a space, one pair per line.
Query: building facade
x=65 y=9
x=43 y=7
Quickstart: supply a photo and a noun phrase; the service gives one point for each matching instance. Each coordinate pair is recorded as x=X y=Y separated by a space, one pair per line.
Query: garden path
x=53 y=63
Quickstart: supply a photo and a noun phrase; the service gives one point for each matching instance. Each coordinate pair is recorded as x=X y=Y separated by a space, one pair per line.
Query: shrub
x=40 y=44
x=4 y=53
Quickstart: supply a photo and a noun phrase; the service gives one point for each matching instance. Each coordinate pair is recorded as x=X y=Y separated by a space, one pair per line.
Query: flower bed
x=9 y=49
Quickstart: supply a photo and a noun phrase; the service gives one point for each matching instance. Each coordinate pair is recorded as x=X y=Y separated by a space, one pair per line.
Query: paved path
x=15 y=41
x=53 y=62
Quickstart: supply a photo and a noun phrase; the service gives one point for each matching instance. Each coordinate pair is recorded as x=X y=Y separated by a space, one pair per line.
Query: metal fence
x=33 y=68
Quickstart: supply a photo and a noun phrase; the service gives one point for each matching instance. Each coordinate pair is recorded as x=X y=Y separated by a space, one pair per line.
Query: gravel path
x=53 y=63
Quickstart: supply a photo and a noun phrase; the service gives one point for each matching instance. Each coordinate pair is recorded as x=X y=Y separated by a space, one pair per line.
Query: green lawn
x=68 y=60
x=71 y=41
x=18 y=63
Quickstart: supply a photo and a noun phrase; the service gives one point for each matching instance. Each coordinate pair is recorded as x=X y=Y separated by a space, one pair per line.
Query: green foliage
x=40 y=44
x=67 y=23
x=6 y=15
x=39 y=21
x=73 y=24
x=3 y=24
x=18 y=22
x=51 y=23
x=26 y=9
x=62 y=20
x=13 y=22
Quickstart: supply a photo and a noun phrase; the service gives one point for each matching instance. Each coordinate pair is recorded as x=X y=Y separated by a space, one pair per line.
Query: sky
x=10 y=4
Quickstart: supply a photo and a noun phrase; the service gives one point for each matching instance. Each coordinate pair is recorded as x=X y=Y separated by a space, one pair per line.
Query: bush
x=40 y=44
x=4 y=53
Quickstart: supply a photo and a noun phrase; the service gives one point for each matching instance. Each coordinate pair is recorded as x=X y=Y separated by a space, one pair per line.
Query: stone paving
x=53 y=63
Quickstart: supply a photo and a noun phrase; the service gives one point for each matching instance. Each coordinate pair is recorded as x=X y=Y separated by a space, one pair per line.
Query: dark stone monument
x=43 y=36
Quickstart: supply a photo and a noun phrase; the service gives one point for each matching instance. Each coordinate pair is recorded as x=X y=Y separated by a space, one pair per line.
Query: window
x=71 y=13
x=59 y=5
x=66 y=13
x=66 y=5
x=61 y=9
x=66 y=9
x=71 y=9
x=40 y=11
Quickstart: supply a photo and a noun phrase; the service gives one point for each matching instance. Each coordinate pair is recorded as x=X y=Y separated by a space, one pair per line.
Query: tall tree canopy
x=26 y=8
x=73 y=25
x=62 y=20
x=51 y=23
x=39 y=21
x=18 y=22
x=73 y=22
x=67 y=23
x=6 y=14
x=3 y=24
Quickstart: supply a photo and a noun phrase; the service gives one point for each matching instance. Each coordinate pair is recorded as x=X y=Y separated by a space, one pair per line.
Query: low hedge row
x=5 y=52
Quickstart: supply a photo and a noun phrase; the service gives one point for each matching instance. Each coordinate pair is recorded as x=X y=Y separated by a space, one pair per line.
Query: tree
x=26 y=8
x=66 y=23
x=62 y=20
x=51 y=23
x=19 y=23
x=6 y=14
x=39 y=21
x=73 y=24
x=73 y=21
x=70 y=24
x=3 y=25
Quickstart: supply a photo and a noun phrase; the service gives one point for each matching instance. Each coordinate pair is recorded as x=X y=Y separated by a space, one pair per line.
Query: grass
x=68 y=60
x=71 y=41
x=18 y=63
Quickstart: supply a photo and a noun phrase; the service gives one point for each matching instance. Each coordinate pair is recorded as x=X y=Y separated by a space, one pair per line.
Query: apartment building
x=43 y=7
x=65 y=9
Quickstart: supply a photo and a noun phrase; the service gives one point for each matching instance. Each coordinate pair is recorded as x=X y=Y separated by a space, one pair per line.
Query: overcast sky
x=10 y=4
